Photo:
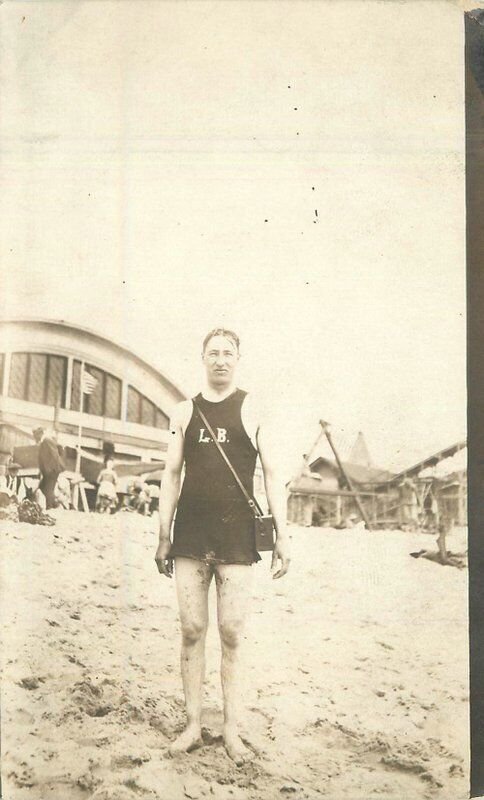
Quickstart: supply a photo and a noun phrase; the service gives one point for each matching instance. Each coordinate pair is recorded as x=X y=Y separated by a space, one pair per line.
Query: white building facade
x=40 y=368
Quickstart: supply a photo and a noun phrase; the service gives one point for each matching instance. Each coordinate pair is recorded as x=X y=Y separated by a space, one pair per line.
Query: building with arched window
x=40 y=370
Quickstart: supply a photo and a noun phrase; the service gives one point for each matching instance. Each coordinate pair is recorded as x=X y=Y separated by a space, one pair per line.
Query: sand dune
x=355 y=671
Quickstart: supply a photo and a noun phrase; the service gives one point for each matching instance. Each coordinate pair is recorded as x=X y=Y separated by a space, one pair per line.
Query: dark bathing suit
x=213 y=520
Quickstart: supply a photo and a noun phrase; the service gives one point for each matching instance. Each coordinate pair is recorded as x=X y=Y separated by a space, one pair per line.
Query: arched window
x=143 y=411
x=39 y=378
x=105 y=400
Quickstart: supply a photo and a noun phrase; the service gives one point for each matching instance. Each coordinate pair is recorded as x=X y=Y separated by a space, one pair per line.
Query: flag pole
x=81 y=405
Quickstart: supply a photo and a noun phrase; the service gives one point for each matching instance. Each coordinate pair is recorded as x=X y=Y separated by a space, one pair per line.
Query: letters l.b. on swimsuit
x=221 y=435
x=213 y=520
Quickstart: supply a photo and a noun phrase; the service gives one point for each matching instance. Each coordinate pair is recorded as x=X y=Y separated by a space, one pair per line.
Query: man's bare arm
x=170 y=490
x=276 y=497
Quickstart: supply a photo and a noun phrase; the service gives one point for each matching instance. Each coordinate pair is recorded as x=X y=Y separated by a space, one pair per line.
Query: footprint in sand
x=262 y=713
x=23 y=717
x=112 y=793
x=89 y=698
x=126 y=761
x=75 y=660
x=31 y=683
x=24 y=779
x=162 y=725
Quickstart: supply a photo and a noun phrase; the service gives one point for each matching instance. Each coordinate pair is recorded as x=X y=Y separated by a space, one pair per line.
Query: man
x=214 y=527
x=409 y=504
x=50 y=465
x=14 y=482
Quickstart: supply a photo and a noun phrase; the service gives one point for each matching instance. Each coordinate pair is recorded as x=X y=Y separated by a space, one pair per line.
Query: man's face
x=220 y=358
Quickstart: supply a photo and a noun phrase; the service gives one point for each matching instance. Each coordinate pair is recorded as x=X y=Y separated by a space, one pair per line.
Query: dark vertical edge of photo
x=474 y=96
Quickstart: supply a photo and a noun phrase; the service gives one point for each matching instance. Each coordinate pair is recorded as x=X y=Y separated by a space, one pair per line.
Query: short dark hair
x=222 y=332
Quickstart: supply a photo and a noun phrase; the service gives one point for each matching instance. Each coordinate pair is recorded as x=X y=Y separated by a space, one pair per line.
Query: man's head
x=220 y=355
x=38 y=434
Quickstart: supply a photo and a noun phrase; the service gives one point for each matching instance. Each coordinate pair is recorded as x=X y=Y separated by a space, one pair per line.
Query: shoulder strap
x=254 y=505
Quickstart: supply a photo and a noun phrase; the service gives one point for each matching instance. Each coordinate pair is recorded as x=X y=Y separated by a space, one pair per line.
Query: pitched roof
x=359 y=453
x=430 y=461
x=356 y=472
x=361 y=474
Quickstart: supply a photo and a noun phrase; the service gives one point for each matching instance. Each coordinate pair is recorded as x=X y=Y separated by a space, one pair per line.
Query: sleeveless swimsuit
x=213 y=520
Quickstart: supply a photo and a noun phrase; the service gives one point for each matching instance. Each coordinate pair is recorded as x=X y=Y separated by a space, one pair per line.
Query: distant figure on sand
x=138 y=496
x=63 y=492
x=154 y=492
x=214 y=527
x=107 y=498
x=50 y=465
x=14 y=482
x=144 y=499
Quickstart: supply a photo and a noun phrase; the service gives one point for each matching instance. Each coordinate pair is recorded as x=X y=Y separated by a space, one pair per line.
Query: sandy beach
x=355 y=679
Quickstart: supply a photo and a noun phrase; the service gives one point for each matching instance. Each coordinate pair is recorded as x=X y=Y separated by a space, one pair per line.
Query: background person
x=50 y=465
x=144 y=499
x=14 y=481
x=154 y=492
x=107 y=498
x=63 y=492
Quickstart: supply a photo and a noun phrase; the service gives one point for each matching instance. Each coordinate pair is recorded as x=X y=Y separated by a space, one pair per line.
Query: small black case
x=264 y=532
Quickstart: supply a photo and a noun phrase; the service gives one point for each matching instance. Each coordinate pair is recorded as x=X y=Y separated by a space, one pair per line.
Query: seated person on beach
x=63 y=492
x=144 y=499
x=8 y=499
x=3 y=477
x=5 y=493
x=14 y=482
x=133 y=491
x=214 y=528
x=107 y=498
x=32 y=491
x=154 y=492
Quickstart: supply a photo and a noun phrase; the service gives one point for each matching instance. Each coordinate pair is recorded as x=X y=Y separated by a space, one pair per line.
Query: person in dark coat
x=50 y=465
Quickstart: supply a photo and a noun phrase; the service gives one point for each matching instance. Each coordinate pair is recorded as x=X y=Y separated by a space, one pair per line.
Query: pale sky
x=162 y=166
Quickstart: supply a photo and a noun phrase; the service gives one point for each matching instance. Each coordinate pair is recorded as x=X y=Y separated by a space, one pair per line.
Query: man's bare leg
x=234 y=584
x=192 y=584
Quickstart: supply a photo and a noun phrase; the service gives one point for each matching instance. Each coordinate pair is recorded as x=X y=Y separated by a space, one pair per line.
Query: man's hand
x=164 y=564
x=280 y=552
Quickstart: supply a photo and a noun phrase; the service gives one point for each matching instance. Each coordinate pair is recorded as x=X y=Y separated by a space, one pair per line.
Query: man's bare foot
x=235 y=747
x=188 y=740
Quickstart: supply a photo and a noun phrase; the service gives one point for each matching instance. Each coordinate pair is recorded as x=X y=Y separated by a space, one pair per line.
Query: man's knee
x=230 y=634
x=192 y=632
